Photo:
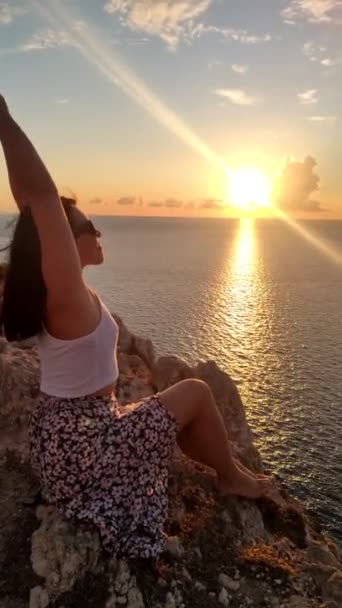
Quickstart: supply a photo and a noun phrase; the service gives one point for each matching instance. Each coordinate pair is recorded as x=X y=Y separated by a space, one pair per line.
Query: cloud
x=62 y=101
x=321 y=118
x=126 y=200
x=175 y=20
x=296 y=184
x=47 y=39
x=96 y=201
x=170 y=20
x=313 y=206
x=8 y=12
x=240 y=69
x=156 y=204
x=314 y=11
x=52 y=38
x=317 y=53
x=211 y=203
x=173 y=203
x=328 y=62
x=231 y=34
x=170 y=203
x=237 y=96
x=308 y=97
x=311 y=51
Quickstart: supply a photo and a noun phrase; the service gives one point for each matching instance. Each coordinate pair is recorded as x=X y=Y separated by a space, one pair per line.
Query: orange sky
x=128 y=105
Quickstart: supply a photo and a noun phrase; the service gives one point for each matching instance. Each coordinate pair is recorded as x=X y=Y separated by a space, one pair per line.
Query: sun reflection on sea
x=232 y=302
x=250 y=317
x=240 y=281
x=245 y=245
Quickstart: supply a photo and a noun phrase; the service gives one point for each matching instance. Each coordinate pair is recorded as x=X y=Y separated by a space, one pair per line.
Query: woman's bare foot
x=249 y=472
x=244 y=484
x=244 y=469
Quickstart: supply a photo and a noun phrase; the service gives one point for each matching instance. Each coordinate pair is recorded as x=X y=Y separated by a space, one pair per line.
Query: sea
x=263 y=298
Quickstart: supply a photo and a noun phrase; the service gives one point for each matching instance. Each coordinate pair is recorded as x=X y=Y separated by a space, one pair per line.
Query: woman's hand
x=29 y=179
x=5 y=117
x=4 y=112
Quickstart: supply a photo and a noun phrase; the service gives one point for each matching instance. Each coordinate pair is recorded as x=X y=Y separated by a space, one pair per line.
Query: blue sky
x=134 y=103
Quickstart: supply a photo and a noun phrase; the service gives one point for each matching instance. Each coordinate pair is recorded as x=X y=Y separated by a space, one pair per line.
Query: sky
x=158 y=107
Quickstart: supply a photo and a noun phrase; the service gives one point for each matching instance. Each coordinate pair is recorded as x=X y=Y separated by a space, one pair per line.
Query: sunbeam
x=335 y=256
x=95 y=50
x=92 y=46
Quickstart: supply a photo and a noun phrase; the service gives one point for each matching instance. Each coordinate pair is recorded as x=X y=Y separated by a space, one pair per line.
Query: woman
x=99 y=462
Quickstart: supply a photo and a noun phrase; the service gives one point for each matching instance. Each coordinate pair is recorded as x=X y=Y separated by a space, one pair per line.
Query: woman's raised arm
x=32 y=185
x=29 y=179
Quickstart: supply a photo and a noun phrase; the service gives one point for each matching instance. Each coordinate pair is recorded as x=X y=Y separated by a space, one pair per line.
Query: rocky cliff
x=221 y=552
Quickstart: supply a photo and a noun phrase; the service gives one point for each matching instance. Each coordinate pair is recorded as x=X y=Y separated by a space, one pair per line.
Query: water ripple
x=266 y=306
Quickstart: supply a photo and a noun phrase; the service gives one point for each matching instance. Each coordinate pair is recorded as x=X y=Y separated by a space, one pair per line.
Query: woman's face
x=87 y=239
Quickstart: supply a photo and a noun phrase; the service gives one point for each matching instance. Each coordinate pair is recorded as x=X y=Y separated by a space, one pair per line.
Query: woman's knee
x=198 y=388
x=191 y=391
x=185 y=399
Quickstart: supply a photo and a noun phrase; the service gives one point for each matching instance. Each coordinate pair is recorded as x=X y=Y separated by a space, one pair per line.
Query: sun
x=249 y=189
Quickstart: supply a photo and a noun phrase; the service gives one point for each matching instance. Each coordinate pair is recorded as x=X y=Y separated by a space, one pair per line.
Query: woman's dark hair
x=3 y=271
x=24 y=302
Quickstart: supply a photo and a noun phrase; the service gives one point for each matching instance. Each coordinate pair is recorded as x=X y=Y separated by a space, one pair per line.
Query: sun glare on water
x=248 y=189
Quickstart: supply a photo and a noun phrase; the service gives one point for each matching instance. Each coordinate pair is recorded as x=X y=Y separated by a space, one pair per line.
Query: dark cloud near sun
x=296 y=184
x=95 y=201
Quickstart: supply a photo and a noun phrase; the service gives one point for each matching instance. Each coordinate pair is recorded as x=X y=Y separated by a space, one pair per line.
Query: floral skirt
x=107 y=465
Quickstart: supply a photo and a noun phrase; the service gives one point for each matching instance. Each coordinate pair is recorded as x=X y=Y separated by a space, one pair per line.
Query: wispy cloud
x=175 y=20
x=51 y=38
x=156 y=204
x=210 y=203
x=308 y=97
x=9 y=11
x=328 y=62
x=315 y=11
x=125 y=201
x=62 y=101
x=312 y=51
x=237 y=96
x=240 y=69
x=173 y=203
x=167 y=20
x=47 y=39
x=317 y=53
x=96 y=201
x=321 y=118
x=231 y=34
x=169 y=203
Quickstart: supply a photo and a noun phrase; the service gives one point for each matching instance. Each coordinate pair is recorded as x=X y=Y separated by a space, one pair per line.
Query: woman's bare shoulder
x=78 y=317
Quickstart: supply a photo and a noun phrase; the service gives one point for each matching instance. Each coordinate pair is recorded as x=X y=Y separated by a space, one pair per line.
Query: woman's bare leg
x=187 y=446
x=204 y=438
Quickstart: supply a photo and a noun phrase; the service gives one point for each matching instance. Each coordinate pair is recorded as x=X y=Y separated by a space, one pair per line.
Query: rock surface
x=221 y=552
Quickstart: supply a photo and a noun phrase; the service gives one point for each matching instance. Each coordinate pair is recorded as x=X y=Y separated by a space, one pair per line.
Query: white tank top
x=80 y=367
